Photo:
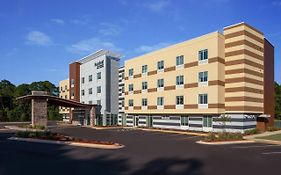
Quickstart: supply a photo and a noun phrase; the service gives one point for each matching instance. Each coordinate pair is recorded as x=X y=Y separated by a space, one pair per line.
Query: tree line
x=12 y=110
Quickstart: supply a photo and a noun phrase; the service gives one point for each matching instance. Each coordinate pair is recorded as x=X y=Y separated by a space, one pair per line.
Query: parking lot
x=145 y=152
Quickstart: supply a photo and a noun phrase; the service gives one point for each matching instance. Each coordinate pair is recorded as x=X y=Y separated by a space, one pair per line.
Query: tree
x=277 y=100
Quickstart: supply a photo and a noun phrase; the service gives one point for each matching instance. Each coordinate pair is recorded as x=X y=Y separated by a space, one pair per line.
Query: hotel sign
x=99 y=64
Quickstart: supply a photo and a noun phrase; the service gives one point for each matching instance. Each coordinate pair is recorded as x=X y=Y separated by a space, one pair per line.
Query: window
x=98 y=102
x=184 y=120
x=207 y=121
x=160 y=83
x=90 y=91
x=90 y=102
x=160 y=101
x=144 y=102
x=203 y=76
x=90 y=78
x=179 y=100
x=203 y=55
x=160 y=65
x=65 y=87
x=122 y=89
x=83 y=80
x=131 y=102
x=99 y=89
x=131 y=72
x=83 y=92
x=61 y=89
x=131 y=87
x=203 y=99
x=72 y=81
x=99 y=75
x=179 y=80
x=180 y=60
x=122 y=75
x=144 y=69
x=72 y=92
x=144 y=85
x=65 y=96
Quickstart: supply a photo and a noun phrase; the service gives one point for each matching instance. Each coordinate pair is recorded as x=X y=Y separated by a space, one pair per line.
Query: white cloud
x=157 y=6
x=150 y=48
x=38 y=38
x=276 y=3
x=58 y=21
x=109 y=29
x=91 y=45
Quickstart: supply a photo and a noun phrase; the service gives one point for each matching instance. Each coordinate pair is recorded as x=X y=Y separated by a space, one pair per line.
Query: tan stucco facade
x=64 y=93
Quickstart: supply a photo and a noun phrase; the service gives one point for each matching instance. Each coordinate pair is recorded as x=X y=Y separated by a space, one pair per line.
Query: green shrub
x=210 y=137
x=252 y=131
x=223 y=136
x=271 y=129
x=36 y=134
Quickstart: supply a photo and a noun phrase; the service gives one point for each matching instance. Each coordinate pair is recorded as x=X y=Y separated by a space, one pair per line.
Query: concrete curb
x=174 y=132
x=225 y=142
x=87 y=145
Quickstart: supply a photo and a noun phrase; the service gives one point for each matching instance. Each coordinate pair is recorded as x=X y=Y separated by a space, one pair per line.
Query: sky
x=38 y=39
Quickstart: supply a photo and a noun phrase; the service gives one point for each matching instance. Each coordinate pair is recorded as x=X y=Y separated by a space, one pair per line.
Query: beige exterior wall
x=214 y=42
x=244 y=69
x=64 y=93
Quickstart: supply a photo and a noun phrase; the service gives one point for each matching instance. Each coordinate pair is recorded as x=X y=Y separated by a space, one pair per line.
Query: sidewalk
x=255 y=137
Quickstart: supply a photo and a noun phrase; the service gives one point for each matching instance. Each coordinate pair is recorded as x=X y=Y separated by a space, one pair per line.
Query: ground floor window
x=184 y=120
x=207 y=121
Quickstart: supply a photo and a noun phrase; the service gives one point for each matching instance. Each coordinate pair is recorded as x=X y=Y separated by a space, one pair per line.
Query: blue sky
x=38 y=39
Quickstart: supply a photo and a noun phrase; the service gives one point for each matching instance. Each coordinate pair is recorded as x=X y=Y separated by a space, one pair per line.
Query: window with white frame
x=98 y=89
x=160 y=65
x=207 y=121
x=131 y=72
x=90 y=78
x=144 y=102
x=203 y=98
x=203 y=55
x=160 y=101
x=184 y=120
x=131 y=102
x=90 y=91
x=203 y=76
x=99 y=75
x=180 y=100
x=160 y=83
x=131 y=87
x=180 y=80
x=144 y=69
x=179 y=60
x=144 y=85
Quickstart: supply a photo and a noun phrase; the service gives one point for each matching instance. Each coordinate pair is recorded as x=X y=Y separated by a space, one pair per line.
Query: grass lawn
x=276 y=137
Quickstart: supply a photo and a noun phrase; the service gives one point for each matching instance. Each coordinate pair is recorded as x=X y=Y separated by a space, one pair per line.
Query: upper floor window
x=65 y=87
x=98 y=102
x=122 y=75
x=160 y=83
x=90 y=77
x=83 y=80
x=90 y=102
x=83 y=92
x=144 y=85
x=160 y=101
x=180 y=60
x=203 y=76
x=72 y=81
x=131 y=87
x=144 y=102
x=72 y=92
x=90 y=91
x=179 y=100
x=131 y=72
x=160 y=65
x=144 y=69
x=203 y=98
x=131 y=102
x=99 y=75
x=180 y=80
x=61 y=88
x=65 y=96
x=203 y=55
x=99 y=89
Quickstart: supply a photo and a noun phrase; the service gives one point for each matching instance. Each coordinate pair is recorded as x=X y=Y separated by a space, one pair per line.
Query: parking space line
x=255 y=146
x=267 y=153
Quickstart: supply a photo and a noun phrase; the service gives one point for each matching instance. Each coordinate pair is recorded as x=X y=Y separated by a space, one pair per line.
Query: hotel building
x=121 y=90
x=218 y=81
x=64 y=93
x=94 y=80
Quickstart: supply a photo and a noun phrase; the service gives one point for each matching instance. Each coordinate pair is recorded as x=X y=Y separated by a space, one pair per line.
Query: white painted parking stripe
x=271 y=153
x=255 y=146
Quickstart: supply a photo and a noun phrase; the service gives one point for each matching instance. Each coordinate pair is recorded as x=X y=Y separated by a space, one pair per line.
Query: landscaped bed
x=222 y=137
x=47 y=135
x=275 y=137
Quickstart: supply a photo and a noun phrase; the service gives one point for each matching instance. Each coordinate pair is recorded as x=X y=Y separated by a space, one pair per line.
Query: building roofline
x=99 y=53
x=243 y=23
